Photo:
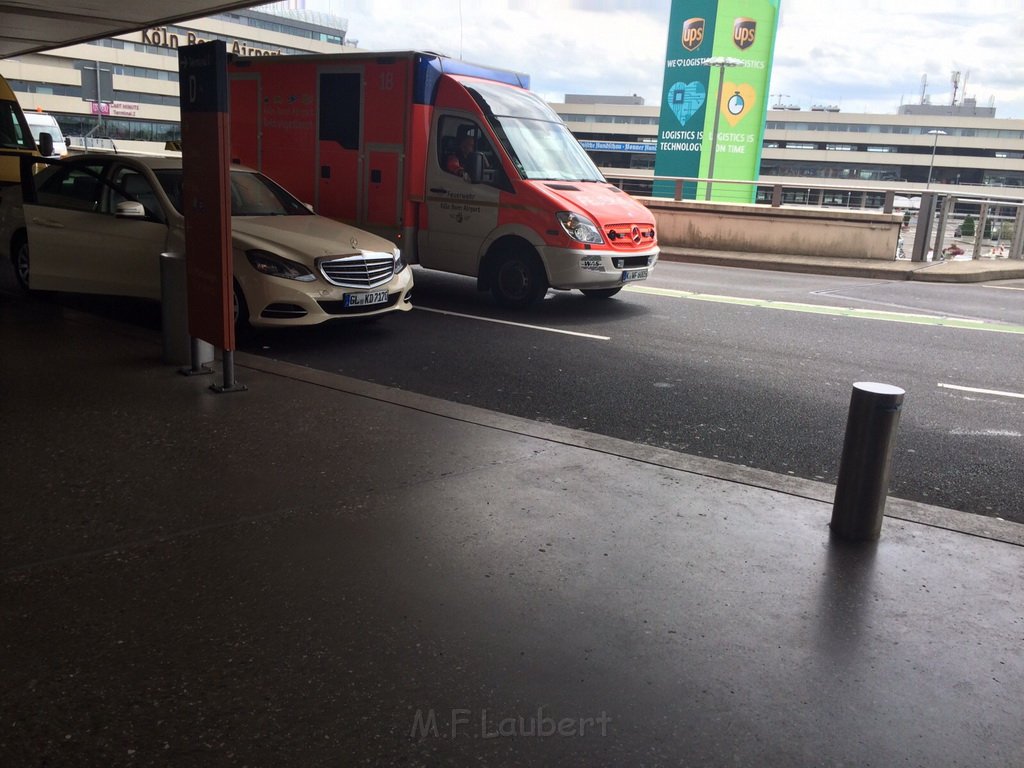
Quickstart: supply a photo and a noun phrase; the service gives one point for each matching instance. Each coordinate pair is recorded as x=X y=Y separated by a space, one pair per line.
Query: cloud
x=868 y=55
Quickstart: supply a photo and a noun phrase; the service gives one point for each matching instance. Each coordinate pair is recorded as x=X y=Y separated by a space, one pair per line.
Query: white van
x=41 y=122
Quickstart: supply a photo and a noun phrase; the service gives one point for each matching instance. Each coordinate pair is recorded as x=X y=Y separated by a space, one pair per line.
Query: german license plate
x=634 y=274
x=366 y=299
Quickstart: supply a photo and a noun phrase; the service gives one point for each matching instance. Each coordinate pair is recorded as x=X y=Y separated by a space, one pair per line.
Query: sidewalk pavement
x=324 y=572
x=946 y=271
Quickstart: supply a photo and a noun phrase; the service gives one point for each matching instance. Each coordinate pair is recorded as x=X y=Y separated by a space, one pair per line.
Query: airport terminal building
x=126 y=89
x=974 y=151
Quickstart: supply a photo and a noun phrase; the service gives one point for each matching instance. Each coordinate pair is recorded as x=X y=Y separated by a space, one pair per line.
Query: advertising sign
x=740 y=36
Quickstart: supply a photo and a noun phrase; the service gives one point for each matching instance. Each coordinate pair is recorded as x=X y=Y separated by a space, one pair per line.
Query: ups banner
x=742 y=32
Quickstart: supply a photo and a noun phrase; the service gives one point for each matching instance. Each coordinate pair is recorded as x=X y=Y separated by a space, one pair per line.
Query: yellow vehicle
x=15 y=137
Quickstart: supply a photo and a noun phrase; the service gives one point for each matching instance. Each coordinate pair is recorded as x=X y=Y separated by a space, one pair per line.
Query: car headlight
x=272 y=265
x=579 y=227
x=399 y=261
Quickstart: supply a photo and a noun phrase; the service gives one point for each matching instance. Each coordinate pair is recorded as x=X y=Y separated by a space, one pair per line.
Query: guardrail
x=883 y=199
x=968 y=226
x=89 y=144
x=940 y=225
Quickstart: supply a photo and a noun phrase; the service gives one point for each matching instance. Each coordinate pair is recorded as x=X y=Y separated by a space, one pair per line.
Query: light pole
x=936 y=133
x=721 y=62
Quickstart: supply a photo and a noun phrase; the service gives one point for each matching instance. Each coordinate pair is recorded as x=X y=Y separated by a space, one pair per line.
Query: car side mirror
x=476 y=167
x=129 y=209
x=45 y=144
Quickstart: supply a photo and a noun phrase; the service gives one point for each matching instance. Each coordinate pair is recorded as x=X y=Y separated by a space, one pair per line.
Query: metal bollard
x=867 y=455
x=174 y=308
x=179 y=348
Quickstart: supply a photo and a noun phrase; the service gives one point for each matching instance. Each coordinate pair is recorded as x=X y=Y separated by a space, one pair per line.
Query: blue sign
x=619 y=146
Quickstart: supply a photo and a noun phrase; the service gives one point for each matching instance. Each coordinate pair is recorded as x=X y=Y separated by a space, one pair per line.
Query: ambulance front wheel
x=518 y=279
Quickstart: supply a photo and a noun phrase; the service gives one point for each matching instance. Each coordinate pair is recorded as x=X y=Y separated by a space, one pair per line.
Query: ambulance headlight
x=579 y=228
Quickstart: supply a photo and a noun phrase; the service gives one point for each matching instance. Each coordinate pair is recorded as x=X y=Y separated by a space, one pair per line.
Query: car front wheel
x=240 y=311
x=518 y=280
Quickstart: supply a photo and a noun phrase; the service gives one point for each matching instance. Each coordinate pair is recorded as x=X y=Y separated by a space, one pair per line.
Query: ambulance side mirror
x=45 y=144
x=476 y=167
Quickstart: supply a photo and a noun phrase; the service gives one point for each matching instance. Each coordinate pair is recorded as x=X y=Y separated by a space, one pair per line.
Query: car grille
x=631 y=262
x=630 y=236
x=362 y=271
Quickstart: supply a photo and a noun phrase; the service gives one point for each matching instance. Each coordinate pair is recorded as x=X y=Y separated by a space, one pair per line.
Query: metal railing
x=938 y=224
x=755 y=192
x=966 y=227
x=886 y=199
x=90 y=144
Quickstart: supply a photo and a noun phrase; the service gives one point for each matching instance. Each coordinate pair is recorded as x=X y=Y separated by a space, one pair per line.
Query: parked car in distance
x=101 y=221
x=43 y=122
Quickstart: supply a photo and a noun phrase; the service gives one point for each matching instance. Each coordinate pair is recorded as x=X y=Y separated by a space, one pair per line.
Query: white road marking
x=1005 y=287
x=985 y=433
x=517 y=325
x=996 y=392
x=821 y=309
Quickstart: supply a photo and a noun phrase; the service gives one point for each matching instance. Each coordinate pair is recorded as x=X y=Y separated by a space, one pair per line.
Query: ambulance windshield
x=536 y=140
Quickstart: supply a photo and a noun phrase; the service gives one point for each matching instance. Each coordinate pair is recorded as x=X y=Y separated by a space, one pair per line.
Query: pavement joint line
x=228 y=522
x=824 y=309
x=514 y=324
x=966 y=523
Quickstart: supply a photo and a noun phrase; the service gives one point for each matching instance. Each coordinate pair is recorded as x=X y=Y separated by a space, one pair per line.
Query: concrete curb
x=936 y=272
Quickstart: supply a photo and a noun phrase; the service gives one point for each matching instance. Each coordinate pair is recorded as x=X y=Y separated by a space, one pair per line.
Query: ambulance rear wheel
x=518 y=280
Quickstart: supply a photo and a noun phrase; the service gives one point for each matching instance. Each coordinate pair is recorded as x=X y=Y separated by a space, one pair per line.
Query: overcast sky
x=866 y=56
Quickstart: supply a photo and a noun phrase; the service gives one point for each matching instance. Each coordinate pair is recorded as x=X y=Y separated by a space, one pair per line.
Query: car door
x=66 y=206
x=77 y=240
x=460 y=214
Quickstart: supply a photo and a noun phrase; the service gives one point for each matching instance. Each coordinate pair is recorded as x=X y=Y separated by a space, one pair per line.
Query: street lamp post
x=936 y=133
x=721 y=62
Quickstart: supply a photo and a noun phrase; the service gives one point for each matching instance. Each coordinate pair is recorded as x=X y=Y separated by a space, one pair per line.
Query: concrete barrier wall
x=763 y=229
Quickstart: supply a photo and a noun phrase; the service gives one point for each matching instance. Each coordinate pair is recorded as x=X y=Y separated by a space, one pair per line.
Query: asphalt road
x=746 y=366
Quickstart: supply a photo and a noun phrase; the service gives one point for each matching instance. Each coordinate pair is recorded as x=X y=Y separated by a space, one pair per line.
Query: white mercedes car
x=100 y=223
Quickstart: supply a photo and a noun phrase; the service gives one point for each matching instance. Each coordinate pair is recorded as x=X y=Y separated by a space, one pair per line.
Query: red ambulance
x=462 y=165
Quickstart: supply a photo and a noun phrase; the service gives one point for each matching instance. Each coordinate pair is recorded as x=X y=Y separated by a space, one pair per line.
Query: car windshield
x=12 y=127
x=252 y=194
x=536 y=140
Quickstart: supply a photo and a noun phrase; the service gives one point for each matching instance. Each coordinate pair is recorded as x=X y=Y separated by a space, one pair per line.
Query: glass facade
x=128 y=112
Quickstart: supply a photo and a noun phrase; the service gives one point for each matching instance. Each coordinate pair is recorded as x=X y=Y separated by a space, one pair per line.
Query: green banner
x=717 y=70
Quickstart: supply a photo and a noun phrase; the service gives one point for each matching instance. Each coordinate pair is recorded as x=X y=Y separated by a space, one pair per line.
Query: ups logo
x=744 y=31
x=693 y=33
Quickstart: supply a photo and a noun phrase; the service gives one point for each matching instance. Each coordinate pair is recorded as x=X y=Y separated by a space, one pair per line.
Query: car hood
x=603 y=202
x=304 y=238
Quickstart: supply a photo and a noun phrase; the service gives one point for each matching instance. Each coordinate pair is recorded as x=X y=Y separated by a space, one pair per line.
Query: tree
x=967 y=228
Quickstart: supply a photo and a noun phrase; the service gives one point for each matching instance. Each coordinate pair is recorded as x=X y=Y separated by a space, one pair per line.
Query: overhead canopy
x=27 y=26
